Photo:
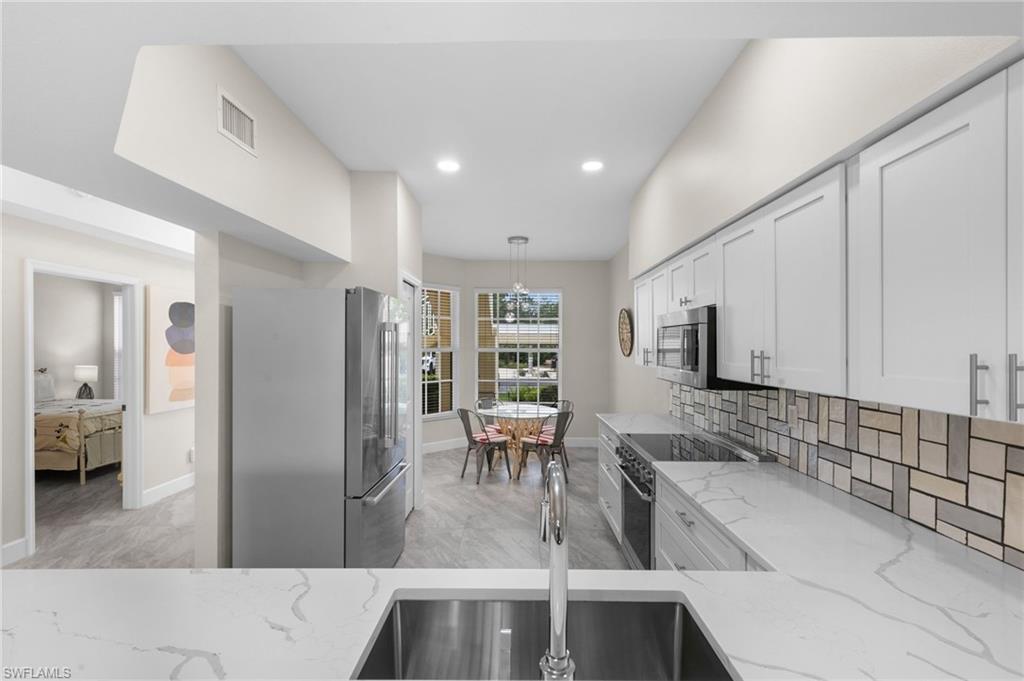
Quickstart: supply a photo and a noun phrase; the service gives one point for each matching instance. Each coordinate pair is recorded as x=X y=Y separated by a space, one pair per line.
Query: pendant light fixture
x=517 y=261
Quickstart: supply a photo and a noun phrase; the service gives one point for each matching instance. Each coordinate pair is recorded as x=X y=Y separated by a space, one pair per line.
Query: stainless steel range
x=636 y=456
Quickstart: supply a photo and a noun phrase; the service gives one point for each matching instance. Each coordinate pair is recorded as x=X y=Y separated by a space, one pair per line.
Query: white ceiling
x=491 y=82
x=519 y=117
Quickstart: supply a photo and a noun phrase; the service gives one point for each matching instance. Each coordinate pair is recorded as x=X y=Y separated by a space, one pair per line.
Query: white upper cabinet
x=1015 y=238
x=740 y=314
x=805 y=338
x=928 y=261
x=642 y=322
x=651 y=294
x=693 y=277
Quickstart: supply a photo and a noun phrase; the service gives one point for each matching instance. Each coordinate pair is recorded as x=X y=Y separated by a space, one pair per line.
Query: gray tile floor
x=85 y=526
x=495 y=524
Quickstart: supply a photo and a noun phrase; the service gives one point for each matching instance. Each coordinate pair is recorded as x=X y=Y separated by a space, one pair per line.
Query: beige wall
x=783 y=110
x=633 y=388
x=70 y=316
x=586 y=332
x=386 y=238
x=169 y=126
x=166 y=438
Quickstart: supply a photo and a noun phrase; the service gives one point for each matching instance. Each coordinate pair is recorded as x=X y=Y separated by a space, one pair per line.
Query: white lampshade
x=87 y=372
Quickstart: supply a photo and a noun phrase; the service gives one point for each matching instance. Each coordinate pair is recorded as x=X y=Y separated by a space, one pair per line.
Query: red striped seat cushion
x=492 y=428
x=548 y=430
x=489 y=438
x=540 y=439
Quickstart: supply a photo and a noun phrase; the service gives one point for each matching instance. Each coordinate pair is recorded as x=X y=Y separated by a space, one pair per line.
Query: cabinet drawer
x=608 y=437
x=609 y=465
x=688 y=517
x=673 y=549
x=609 y=498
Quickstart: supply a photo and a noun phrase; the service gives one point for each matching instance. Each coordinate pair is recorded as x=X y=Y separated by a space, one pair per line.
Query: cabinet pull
x=684 y=301
x=686 y=521
x=678 y=567
x=755 y=377
x=764 y=371
x=1012 y=387
x=974 y=369
x=647 y=353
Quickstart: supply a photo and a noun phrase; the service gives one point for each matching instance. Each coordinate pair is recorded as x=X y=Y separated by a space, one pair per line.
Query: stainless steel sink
x=451 y=639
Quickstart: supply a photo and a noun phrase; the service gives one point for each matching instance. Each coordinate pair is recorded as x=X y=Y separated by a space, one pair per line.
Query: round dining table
x=518 y=420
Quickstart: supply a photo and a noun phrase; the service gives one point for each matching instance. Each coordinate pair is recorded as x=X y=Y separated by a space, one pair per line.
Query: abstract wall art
x=170 y=350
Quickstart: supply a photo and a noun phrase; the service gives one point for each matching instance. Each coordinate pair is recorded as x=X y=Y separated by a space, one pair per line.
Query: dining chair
x=491 y=424
x=562 y=405
x=484 y=442
x=548 y=444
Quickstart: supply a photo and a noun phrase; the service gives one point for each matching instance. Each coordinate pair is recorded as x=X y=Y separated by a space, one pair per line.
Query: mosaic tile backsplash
x=960 y=476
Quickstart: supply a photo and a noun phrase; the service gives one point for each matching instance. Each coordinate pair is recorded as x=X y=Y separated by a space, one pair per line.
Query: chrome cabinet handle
x=755 y=377
x=974 y=369
x=678 y=567
x=684 y=518
x=684 y=301
x=1012 y=389
x=764 y=372
x=647 y=359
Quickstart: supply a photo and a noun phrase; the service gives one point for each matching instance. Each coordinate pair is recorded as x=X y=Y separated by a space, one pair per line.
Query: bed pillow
x=44 y=387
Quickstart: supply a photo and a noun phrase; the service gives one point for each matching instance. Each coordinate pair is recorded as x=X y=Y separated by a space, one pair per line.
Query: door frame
x=417 y=470
x=133 y=303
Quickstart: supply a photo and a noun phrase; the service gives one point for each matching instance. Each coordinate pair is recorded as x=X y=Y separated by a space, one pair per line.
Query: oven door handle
x=625 y=476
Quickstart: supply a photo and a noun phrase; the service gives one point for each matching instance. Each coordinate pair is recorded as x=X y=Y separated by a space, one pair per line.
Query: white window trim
x=476 y=336
x=454 y=349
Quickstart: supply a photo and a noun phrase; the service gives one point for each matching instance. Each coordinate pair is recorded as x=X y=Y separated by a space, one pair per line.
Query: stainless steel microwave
x=685 y=349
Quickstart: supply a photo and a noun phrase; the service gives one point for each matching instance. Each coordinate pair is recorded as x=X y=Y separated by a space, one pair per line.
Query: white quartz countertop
x=641 y=423
x=878 y=596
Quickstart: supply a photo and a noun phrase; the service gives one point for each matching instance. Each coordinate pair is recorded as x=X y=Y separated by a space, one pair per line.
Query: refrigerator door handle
x=385 y=385
x=376 y=498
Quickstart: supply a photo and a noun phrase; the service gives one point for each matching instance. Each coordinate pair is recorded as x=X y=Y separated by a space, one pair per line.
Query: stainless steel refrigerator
x=318 y=458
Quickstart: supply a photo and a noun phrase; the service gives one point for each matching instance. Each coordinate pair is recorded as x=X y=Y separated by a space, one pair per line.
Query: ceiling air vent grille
x=236 y=124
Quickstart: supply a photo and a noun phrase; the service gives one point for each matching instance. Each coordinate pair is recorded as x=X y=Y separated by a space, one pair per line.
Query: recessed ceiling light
x=592 y=166
x=448 y=165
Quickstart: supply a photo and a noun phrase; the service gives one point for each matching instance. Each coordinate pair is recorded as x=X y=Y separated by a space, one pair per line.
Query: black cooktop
x=690 y=446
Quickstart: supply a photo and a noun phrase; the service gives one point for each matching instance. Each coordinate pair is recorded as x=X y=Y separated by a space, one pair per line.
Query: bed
x=70 y=435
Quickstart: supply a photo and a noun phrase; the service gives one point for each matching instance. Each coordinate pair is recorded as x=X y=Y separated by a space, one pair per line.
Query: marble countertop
x=641 y=423
x=878 y=595
x=855 y=592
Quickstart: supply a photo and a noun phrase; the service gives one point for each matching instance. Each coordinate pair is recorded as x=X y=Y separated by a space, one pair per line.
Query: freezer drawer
x=375 y=523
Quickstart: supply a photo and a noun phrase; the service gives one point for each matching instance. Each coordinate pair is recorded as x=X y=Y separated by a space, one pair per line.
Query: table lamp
x=86 y=373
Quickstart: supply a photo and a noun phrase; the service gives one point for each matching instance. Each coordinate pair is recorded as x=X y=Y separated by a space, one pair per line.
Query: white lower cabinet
x=609 y=483
x=685 y=539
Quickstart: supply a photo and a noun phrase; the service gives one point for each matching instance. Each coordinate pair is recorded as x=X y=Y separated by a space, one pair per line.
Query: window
x=519 y=339
x=118 y=333
x=439 y=331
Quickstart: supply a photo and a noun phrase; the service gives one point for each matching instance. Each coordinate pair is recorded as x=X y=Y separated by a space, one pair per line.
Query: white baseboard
x=443 y=445
x=15 y=550
x=166 y=489
x=455 y=443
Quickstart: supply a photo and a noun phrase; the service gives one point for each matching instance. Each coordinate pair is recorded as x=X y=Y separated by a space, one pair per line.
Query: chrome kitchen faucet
x=554 y=514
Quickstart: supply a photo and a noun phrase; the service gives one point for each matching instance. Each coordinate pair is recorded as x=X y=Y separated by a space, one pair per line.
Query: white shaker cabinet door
x=643 y=322
x=680 y=296
x=806 y=317
x=659 y=298
x=1015 y=237
x=742 y=280
x=928 y=258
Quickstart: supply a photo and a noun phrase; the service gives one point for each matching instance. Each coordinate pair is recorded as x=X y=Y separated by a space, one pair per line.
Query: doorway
x=83 y=393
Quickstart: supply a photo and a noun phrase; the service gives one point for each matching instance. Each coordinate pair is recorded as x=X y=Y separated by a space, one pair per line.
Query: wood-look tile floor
x=85 y=526
x=496 y=524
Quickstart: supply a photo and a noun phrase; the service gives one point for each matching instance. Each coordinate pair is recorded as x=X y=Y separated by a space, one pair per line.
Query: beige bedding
x=60 y=425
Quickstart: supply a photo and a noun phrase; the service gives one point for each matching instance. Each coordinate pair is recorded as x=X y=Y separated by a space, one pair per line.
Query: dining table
x=518 y=420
